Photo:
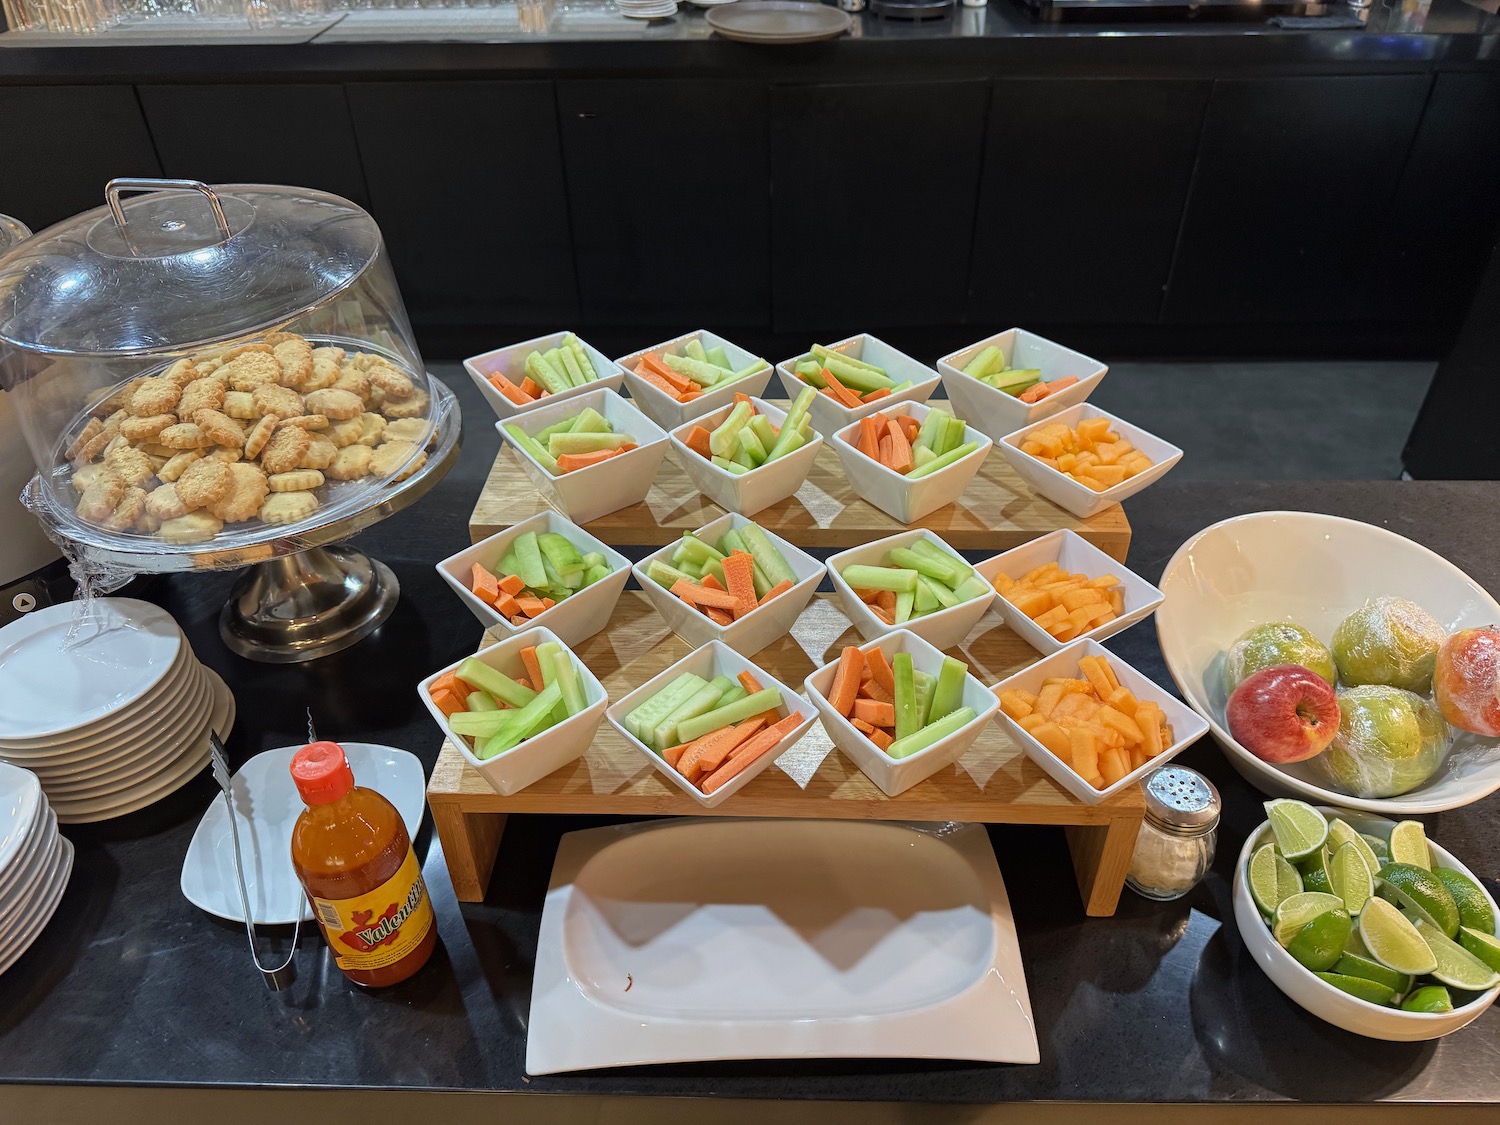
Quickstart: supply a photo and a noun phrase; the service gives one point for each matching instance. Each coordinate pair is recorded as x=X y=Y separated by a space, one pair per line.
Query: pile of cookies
x=252 y=433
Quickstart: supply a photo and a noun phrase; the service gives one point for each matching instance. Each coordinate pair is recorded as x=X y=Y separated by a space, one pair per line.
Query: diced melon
x=1054 y=738
x=1073 y=599
x=1032 y=721
x=1047 y=699
x=1014 y=706
x=1122 y=701
x=1093 y=429
x=1085 y=757
x=1032 y=603
x=1117 y=602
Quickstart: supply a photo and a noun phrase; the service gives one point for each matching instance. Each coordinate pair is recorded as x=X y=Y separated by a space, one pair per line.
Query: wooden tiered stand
x=994 y=782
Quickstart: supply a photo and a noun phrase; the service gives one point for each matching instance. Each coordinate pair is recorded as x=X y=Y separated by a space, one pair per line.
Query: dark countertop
x=132 y=986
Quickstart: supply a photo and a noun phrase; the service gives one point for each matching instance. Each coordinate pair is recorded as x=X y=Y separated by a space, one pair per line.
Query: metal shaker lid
x=1181 y=800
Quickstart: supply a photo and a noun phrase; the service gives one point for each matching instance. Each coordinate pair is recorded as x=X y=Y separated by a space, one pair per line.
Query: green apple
x=1388 y=641
x=1389 y=742
x=1276 y=642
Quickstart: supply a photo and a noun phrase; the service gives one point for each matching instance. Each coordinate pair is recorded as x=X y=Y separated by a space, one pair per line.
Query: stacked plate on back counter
x=107 y=704
x=647 y=9
x=35 y=862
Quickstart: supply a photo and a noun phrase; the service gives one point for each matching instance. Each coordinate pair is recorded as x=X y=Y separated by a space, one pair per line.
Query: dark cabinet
x=872 y=206
x=1081 y=199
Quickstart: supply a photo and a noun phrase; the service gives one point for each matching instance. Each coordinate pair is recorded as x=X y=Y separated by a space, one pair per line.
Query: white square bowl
x=511 y=361
x=1076 y=555
x=998 y=413
x=890 y=491
x=574 y=618
x=892 y=776
x=757 y=628
x=587 y=494
x=828 y=415
x=542 y=753
x=750 y=492
x=1187 y=724
x=665 y=410
x=713 y=659
x=1066 y=492
x=943 y=629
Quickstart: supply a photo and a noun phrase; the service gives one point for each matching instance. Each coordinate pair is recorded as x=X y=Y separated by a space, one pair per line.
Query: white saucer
x=41 y=911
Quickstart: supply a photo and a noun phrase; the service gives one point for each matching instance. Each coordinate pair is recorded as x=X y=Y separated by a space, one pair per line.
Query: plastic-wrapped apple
x=1390 y=741
x=1283 y=714
x=1466 y=681
x=1273 y=644
x=1388 y=641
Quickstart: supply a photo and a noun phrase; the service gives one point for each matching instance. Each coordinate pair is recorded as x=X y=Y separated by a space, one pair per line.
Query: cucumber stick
x=702 y=701
x=730 y=542
x=479 y=675
x=730 y=466
x=725 y=438
x=741 y=709
x=704 y=374
x=529 y=568
x=822 y=353
x=765 y=554
x=696 y=549
x=927 y=548
x=987 y=362
x=923 y=685
x=716 y=356
x=862 y=577
x=907 y=720
x=559 y=444
x=642 y=721
x=480 y=701
x=948 y=695
x=570 y=366
x=945 y=597
x=943 y=461
x=932 y=732
x=792 y=423
x=533 y=449
x=693 y=349
x=860 y=379
x=938 y=570
x=904 y=604
x=589 y=422
x=664 y=575
x=542 y=372
x=573 y=344
x=523 y=723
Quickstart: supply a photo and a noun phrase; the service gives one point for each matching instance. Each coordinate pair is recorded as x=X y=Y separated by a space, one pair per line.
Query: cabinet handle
x=587 y=116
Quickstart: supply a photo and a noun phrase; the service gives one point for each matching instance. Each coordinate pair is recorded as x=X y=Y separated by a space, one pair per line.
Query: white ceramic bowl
x=1322 y=999
x=587 y=494
x=665 y=410
x=1076 y=555
x=713 y=659
x=997 y=413
x=895 y=495
x=828 y=415
x=891 y=775
x=746 y=493
x=1187 y=725
x=573 y=619
x=1315 y=570
x=1066 y=492
x=542 y=753
x=511 y=362
x=943 y=629
x=757 y=628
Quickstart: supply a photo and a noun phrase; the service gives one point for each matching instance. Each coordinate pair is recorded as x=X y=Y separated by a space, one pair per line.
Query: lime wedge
x=1372 y=991
x=1393 y=941
x=1484 y=946
x=1300 y=909
x=1456 y=966
x=1409 y=845
x=1429 y=998
x=1300 y=829
x=1421 y=893
x=1473 y=905
x=1339 y=834
x=1353 y=965
x=1381 y=849
x=1272 y=879
x=1319 y=944
x=1350 y=877
x=1356 y=947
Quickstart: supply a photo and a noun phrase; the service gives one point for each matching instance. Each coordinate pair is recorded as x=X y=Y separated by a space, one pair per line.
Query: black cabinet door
x=63 y=144
x=669 y=187
x=1293 y=180
x=874 y=189
x=466 y=181
x=1081 y=199
x=267 y=143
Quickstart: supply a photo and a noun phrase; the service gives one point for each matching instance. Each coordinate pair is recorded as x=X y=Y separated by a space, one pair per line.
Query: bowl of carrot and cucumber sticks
x=694 y=374
x=855 y=377
x=543 y=371
x=749 y=455
x=910 y=459
x=1014 y=378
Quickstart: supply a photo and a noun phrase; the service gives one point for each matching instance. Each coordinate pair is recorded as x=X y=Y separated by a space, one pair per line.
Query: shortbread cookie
x=177 y=464
x=157 y=395
x=86 y=476
x=154 y=449
x=223 y=453
x=372 y=429
x=260 y=347
x=92 y=429
x=390 y=456
x=97 y=445
x=148 y=523
x=164 y=503
x=408 y=429
x=130 y=465
x=320 y=453
x=101 y=497
x=201 y=394
x=295 y=355
x=413 y=407
x=280 y=401
x=354 y=381
x=352 y=462
x=298 y=480
x=288 y=507
x=392 y=382
x=220 y=428
x=132 y=506
x=181 y=372
x=184 y=435
x=146 y=429
x=308 y=421
x=337 y=405
x=116 y=443
x=259 y=434
x=251 y=369
x=246 y=491
x=205 y=367
x=241 y=405
x=191 y=528
x=285 y=450
x=204 y=482
x=344 y=433
x=120 y=398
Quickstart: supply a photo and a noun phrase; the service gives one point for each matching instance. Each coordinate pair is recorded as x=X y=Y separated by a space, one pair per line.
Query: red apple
x=1284 y=713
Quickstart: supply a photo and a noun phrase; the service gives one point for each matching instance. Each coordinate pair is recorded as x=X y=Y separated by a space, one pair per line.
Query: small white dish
x=1066 y=492
x=852 y=940
x=756 y=629
x=542 y=753
x=573 y=619
x=1076 y=555
x=1187 y=725
x=895 y=494
x=665 y=410
x=510 y=361
x=895 y=776
x=944 y=628
x=586 y=494
x=756 y=490
x=828 y=415
x=40 y=910
x=267 y=806
x=998 y=413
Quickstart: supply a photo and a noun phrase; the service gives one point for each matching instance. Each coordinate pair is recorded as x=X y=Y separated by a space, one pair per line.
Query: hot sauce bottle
x=351 y=851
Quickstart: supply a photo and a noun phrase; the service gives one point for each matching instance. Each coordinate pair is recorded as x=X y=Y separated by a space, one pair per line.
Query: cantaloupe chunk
x=1114 y=764
x=1054 y=738
x=1036 y=576
x=1085 y=751
x=1117 y=602
x=1108 y=475
x=1063 y=631
x=1004 y=582
x=1054 y=616
x=1082 y=596
x=1093 y=429
x=1014 y=706
x=1122 y=723
x=1047 y=699
x=1033 y=603
x=1122 y=701
x=1032 y=721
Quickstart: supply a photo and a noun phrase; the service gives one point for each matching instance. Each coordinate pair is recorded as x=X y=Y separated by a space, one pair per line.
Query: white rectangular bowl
x=890 y=491
x=756 y=629
x=756 y=490
x=665 y=410
x=893 y=776
x=943 y=629
x=828 y=415
x=1187 y=724
x=1076 y=555
x=713 y=659
x=573 y=619
x=539 y=755
x=1066 y=492
x=510 y=361
x=998 y=413
x=587 y=494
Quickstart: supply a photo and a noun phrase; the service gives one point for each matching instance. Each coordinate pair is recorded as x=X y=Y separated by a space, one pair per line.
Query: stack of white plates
x=107 y=705
x=647 y=9
x=35 y=862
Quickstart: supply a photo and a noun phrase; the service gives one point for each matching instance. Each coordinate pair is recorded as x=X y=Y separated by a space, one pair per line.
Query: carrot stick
x=862 y=726
x=688 y=764
x=568 y=462
x=712 y=583
x=840 y=392
x=448 y=702
x=882 y=739
x=869 y=438
x=1033 y=394
x=512 y=584
x=886 y=451
x=533 y=667
x=506 y=604
x=881 y=669
x=1060 y=384
x=884 y=614
x=451 y=682
x=485 y=586
x=748 y=682
x=877 y=393
x=738 y=576
x=697 y=441
x=509 y=389
x=673 y=754
x=886 y=600
x=846 y=680
x=530 y=606
x=740 y=396
x=873 y=691
x=876 y=714
x=702 y=596
x=717 y=616
x=900 y=448
x=656 y=380
x=909 y=425
x=529 y=387
x=750 y=751
x=713 y=757
x=780 y=588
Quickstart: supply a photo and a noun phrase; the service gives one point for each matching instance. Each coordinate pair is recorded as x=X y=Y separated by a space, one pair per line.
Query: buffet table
x=136 y=1004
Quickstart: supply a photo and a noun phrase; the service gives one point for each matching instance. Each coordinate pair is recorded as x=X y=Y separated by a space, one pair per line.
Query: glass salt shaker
x=1175 y=847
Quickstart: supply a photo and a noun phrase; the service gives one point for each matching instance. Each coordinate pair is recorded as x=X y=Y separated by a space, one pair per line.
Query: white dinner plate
x=42 y=910
x=20 y=798
x=45 y=830
x=52 y=683
x=16 y=906
x=268 y=806
x=694 y=940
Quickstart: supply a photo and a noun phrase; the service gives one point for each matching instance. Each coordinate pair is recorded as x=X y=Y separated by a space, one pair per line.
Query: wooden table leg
x=471 y=841
x=1101 y=857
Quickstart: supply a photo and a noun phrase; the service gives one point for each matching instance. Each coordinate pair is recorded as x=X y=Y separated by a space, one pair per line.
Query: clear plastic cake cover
x=12 y=231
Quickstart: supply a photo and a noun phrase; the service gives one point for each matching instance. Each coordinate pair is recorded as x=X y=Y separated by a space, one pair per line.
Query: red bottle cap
x=321 y=773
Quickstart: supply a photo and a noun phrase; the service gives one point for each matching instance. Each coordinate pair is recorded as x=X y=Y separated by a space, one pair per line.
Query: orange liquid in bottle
x=352 y=854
